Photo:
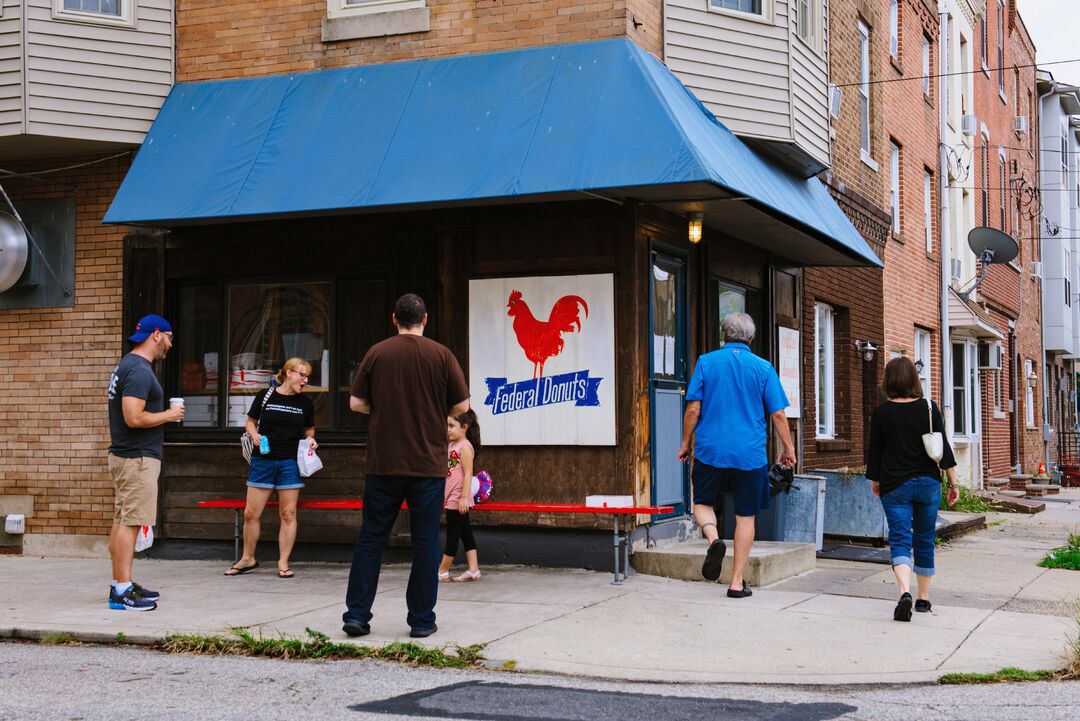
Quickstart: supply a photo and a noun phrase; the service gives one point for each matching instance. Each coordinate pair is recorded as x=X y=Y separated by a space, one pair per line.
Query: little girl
x=463 y=433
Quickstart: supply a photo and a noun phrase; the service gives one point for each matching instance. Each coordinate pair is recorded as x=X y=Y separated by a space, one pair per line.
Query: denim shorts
x=283 y=475
x=749 y=489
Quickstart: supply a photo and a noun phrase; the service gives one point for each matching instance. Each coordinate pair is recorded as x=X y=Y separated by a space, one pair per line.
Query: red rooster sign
x=542 y=339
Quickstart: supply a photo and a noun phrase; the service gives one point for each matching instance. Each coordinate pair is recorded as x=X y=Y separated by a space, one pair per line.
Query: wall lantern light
x=919 y=365
x=866 y=349
x=1032 y=380
x=694 y=225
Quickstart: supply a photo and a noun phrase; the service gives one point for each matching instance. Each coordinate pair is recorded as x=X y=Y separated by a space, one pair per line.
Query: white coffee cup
x=176 y=402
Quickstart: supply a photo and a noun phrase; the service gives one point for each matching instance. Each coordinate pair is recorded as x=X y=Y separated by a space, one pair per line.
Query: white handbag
x=933 y=442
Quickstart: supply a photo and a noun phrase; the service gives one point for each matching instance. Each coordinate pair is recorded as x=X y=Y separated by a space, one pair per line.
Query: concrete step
x=769 y=562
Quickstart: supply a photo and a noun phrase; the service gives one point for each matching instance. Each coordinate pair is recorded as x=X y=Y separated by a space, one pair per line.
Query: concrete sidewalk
x=993 y=607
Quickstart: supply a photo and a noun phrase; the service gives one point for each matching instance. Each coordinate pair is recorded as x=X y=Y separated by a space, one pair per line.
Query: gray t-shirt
x=134 y=377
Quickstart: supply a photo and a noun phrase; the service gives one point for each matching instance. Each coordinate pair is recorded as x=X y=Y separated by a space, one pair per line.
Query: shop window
x=923 y=360
x=233 y=337
x=824 y=371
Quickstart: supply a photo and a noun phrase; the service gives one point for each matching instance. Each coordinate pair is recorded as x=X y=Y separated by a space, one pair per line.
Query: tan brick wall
x=236 y=39
x=57 y=362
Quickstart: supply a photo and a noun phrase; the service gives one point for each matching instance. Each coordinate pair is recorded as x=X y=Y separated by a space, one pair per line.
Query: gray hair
x=738 y=328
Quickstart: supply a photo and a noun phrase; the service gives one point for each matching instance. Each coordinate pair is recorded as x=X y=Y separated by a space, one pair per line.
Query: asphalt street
x=92 y=683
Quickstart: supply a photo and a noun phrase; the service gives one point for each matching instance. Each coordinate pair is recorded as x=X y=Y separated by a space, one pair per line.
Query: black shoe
x=423 y=632
x=144 y=593
x=923 y=606
x=714 y=560
x=356 y=628
x=903 y=608
x=744 y=593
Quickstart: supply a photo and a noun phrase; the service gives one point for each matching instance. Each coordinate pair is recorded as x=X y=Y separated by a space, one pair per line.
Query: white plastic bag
x=145 y=538
x=306 y=459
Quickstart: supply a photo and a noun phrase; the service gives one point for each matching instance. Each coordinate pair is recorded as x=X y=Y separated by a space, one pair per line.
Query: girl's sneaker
x=129 y=601
x=468 y=576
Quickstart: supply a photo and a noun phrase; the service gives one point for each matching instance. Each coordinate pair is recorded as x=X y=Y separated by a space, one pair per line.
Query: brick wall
x=57 y=362
x=1010 y=293
x=236 y=39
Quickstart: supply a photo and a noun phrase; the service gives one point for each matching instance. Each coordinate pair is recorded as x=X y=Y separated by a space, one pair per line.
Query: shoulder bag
x=247 y=446
x=933 y=441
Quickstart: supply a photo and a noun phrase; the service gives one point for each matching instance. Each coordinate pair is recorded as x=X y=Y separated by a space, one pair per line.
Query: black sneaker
x=356 y=628
x=923 y=606
x=423 y=632
x=744 y=593
x=144 y=593
x=129 y=601
x=903 y=608
x=714 y=560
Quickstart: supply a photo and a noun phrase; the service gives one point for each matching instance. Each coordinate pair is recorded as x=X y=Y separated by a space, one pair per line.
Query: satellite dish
x=14 y=251
x=992 y=245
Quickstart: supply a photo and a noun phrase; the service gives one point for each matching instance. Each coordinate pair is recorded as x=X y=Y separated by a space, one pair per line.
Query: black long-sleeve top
x=896 y=453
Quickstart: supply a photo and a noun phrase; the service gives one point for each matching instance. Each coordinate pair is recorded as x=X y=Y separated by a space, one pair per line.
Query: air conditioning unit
x=969 y=125
x=1020 y=123
x=990 y=356
x=956 y=268
x=1036 y=269
x=836 y=95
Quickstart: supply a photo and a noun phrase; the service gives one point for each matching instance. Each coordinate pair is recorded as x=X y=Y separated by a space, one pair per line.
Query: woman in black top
x=282 y=416
x=907 y=480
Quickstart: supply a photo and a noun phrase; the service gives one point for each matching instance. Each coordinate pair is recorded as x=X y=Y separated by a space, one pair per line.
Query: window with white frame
x=754 y=7
x=107 y=12
x=1029 y=393
x=960 y=389
x=894 y=185
x=922 y=359
x=864 y=88
x=808 y=22
x=1067 y=272
x=347 y=8
x=894 y=29
x=995 y=379
x=926 y=66
x=985 y=184
x=1064 y=156
x=982 y=42
x=927 y=209
x=824 y=368
x=1003 y=189
x=1001 y=47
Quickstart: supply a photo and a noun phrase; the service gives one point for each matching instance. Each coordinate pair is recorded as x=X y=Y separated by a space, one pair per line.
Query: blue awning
x=602 y=117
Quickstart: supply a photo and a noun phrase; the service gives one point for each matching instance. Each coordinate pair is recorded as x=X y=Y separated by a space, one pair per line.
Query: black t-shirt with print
x=283 y=420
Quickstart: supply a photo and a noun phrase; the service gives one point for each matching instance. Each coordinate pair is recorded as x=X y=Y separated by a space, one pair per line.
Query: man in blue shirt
x=730 y=393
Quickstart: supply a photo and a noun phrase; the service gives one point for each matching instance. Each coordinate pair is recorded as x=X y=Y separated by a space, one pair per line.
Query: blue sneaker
x=129 y=601
x=145 y=593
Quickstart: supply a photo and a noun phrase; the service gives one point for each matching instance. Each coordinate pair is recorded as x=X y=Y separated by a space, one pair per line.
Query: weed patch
x=1005 y=675
x=967 y=503
x=319 y=646
x=1068 y=556
x=57 y=639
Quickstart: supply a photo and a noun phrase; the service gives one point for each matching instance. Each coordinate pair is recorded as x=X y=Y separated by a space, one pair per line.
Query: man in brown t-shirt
x=408 y=384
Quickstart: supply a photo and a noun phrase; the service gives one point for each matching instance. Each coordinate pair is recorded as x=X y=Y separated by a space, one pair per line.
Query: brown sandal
x=285 y=573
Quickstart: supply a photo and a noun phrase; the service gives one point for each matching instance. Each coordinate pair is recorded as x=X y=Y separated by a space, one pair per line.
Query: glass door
x=668 y=379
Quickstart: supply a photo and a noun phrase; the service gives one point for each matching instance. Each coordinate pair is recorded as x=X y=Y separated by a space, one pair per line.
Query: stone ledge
x=770 y=561
x=374 y=25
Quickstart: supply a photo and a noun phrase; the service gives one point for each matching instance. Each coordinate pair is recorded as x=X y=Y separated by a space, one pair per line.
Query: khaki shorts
x=135 y=481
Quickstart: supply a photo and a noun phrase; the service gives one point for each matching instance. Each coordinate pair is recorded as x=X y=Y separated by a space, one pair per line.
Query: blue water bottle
x=264 y=445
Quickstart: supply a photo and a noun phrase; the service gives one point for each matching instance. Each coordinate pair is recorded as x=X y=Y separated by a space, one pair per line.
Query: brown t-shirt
x=411 y=383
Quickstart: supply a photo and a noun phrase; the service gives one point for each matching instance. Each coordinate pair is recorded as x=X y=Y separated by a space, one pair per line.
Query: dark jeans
x=382 y=501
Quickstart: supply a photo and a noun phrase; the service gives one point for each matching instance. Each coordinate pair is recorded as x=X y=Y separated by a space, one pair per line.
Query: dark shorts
x=749 y=489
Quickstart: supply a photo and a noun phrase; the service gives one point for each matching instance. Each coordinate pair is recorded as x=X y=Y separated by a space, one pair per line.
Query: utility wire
x=959 y=72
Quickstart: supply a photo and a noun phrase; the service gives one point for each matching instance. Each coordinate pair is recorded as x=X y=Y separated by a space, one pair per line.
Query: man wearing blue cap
x=137 y=415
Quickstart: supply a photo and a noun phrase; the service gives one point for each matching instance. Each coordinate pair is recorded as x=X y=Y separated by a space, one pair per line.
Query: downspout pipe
x=943 y=226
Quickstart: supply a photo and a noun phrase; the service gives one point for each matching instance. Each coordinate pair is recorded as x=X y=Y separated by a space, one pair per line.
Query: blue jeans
x=382 y=501
x=911 y=511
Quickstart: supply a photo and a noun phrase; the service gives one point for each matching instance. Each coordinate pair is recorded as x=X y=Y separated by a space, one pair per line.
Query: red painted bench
x=621 y=540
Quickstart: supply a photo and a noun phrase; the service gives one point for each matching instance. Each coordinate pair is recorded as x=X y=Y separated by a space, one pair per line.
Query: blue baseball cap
x=146 y=327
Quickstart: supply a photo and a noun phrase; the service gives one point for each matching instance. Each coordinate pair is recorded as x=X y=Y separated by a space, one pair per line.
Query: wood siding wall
x=757 y=77
x=82 y=80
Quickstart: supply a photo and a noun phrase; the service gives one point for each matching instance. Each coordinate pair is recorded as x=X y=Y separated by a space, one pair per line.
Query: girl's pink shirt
x=455 y=476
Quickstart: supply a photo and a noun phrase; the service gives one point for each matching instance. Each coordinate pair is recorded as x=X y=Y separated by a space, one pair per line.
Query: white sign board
x=790 y=357
x=542 y=360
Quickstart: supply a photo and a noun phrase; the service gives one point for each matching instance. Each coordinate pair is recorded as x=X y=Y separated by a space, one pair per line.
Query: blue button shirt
x=737 y=391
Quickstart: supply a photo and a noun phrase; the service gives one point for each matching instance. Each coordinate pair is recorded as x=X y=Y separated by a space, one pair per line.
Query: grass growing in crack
x=967 y=503
x=1005 y=675
x=319 y=646
x=1068 y=556
x=57 y=639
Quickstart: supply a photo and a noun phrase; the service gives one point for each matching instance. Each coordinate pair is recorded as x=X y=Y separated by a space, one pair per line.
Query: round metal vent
x=14 y=251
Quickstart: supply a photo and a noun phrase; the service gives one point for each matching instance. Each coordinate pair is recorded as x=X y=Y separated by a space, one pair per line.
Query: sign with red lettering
x=789 y=358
